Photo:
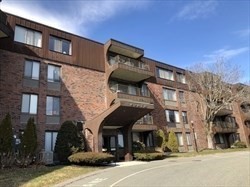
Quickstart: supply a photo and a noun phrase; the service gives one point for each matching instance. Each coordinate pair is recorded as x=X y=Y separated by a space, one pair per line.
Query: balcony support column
x=127 y=136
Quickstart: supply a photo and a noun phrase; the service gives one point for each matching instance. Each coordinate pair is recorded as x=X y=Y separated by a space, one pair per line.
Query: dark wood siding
x=155 y=64
x=85 y=53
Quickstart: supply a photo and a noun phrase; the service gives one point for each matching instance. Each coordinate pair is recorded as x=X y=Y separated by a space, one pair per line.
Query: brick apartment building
x=112 y=90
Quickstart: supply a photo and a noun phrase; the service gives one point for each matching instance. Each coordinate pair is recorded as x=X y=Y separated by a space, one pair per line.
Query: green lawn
x=206 y=152
x=41 y=176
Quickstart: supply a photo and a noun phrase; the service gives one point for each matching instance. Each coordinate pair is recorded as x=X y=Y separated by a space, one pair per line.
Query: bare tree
x=218 y=88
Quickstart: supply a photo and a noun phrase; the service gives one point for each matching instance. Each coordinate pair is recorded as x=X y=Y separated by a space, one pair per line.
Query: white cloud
x=243 y=33
x=197 y=9
x=77 y=17
x=226 y=53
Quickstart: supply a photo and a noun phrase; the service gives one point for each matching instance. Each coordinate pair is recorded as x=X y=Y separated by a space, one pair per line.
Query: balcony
x=129 y=89
x=124 y=49
x=225 y=127
x=4 y=29
x=225 y=111
x=129 y=69
x=144 y=124
x=147 y=120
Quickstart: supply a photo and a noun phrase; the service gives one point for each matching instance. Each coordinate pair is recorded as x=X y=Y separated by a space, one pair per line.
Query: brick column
x=127 y=136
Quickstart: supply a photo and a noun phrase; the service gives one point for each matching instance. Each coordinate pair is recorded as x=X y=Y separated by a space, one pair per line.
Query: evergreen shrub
x=172 y=143
x=68 y=141
x=149 y=156
x=90 y=158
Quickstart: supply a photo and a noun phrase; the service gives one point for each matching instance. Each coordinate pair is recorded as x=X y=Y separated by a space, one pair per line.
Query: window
x=219 y=138
x=53 y=73
x=132 y=90
x=28 y=36
x=184 y=117
x=172 y=116
x=120 y=141
x=59 y=45
x=29 y=103
x=52 y=106
x=150 y=140
x=169 y=94
x=165 y=74
x=189 y=141
x=31 y=69
x=181 y=77
x=179 y=138
x=144 y=91
x=50 y=140
x=235 y=137
x=181 y=97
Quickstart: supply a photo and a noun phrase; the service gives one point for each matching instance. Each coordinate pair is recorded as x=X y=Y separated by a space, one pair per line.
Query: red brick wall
x=82 y=94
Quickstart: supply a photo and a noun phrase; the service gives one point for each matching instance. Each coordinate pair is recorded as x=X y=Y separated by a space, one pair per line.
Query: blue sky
x=180 y=33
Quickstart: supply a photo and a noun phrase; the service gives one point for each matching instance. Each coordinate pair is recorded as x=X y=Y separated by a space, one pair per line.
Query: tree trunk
x=210 y=142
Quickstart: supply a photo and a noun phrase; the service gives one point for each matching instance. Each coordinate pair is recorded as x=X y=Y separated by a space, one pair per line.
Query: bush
x=7 y=156
x=239 y=144
x=27 y=151
x=90 y=158
x=149 y=156
x=161 y=139
x=138 y=146
x=68 y=141
x=29 y=139
x=6 y=135
x=172 y=143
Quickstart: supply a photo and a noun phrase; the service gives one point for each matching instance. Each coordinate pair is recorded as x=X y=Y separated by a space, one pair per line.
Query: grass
x=42 y=175
x=207 y=152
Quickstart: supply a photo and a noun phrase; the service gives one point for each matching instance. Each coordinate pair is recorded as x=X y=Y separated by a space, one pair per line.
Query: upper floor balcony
x=225 y=127
x=145 y=124
x=129 y=69
x=225 y=111
x=124 y=49
x=5 y=31
x=146 y=120
x=131 y=93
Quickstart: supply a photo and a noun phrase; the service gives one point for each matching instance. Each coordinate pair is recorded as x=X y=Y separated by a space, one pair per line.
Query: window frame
x=32 y=70
x=189 y=139
x=29 y=104
x=219 y=139
x=174 y=115
x=54 y=40
x=180 y=143
x=59 y=106
x=168 y=74
x=170 y=94
x=52 y=143
x=184 y=117
x=28 y=32
x=180 y=77
x=182 y=97
x=59 y=73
